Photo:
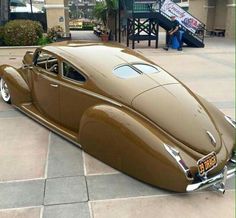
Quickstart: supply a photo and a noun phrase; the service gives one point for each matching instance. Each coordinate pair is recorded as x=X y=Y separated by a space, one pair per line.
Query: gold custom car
x=126 y=111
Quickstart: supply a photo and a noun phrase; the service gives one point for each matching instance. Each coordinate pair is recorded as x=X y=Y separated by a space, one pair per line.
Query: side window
x=47 y=62
x=71 y=73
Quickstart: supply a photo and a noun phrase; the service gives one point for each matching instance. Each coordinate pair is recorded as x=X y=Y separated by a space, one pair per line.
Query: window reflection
x=147 y=69
x=126 y=72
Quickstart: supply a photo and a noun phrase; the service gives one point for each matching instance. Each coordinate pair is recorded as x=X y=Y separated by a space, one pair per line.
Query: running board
x=30 y=110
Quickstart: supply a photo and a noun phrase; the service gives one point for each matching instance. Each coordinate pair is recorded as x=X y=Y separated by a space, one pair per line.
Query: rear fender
x=18 y=88
x=126 y=142
x=226 y=130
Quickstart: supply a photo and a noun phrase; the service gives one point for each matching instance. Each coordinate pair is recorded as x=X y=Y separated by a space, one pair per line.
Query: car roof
x=95 y=56
x=98 y=60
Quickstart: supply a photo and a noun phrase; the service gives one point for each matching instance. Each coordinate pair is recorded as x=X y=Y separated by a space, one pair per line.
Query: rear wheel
x=5 y=91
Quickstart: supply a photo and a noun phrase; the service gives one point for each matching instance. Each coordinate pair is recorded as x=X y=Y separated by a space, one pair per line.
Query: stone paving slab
x=33 y=212
x=122 y=186
x=23 y=149
x=77 y=210
x=21 y=194
x=119 y=186
x=95 y=167
x=196 y=205
x=65 y=159
x=211 y=91
x=65 y=190
x=224 y=104
x=84 y=35
x=10 y=113
x=4 y=106
x=230 y=184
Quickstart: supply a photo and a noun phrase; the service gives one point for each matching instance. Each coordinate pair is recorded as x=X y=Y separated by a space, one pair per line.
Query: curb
x=19 y=47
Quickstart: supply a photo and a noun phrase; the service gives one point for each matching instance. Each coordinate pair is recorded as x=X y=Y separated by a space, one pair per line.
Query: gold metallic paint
x=116 y=120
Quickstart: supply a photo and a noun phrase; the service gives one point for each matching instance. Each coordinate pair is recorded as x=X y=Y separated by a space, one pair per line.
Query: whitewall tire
x=5 y=91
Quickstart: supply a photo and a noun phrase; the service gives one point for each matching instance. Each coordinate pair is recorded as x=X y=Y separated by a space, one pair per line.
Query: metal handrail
x=160 y=2
x=185 y=29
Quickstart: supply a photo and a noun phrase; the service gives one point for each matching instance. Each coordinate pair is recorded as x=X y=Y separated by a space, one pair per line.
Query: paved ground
x=43 y=175
x=83 y=35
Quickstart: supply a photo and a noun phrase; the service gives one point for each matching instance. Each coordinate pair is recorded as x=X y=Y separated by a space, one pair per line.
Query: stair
x=152 y=9
x=192 y=40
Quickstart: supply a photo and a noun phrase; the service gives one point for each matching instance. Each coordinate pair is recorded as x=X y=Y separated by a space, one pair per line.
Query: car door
x=46 y=85
x=74 y=96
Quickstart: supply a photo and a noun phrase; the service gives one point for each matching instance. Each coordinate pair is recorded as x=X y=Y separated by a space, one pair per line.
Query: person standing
x=174 y=32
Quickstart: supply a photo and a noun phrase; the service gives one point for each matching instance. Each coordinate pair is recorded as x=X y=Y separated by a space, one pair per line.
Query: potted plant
x=105 y=36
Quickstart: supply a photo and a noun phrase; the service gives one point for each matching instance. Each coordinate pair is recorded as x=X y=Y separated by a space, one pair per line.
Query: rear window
x=126 y=72
x=147 y=69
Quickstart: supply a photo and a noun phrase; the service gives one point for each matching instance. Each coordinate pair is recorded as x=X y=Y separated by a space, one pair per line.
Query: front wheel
x=5 y=91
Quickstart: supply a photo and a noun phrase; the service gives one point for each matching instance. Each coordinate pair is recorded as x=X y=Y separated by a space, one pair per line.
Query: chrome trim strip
x=231 y=121
x=217 y=182
x=212 y=138
x=230 y=173
x=175 y=154
x=233 y=158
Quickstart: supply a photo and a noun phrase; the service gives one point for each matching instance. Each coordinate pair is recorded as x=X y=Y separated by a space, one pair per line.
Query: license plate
x=207 y=163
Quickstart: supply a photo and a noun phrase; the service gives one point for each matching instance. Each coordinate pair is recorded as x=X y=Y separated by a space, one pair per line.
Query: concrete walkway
x=83 y=35
x=43 y=175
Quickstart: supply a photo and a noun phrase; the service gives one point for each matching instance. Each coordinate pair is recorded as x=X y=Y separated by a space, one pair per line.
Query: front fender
x=18 y=88
x=128 y=143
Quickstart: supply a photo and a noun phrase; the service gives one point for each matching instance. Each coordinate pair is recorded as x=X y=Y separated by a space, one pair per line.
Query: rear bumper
x=217 y=182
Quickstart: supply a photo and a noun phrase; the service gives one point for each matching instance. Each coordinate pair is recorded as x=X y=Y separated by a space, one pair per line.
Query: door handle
x=54 y=85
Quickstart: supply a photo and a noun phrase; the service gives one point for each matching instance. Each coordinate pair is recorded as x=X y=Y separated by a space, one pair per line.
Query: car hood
x=174 y=109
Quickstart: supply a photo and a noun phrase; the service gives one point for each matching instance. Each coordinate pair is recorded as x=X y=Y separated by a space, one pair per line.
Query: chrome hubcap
x=4 y=90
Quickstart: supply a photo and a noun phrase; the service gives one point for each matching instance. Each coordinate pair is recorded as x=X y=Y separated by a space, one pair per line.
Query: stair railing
x=201 y=28
x=156 y=6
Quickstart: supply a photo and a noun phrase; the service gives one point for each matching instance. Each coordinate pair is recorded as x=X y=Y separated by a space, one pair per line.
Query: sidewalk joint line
x=22 y=180
x=156 y=196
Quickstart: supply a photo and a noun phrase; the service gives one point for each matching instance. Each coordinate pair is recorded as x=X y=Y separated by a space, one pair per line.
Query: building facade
x=81 y=8
x=58 y=14
x=58 y=11
x=216 y=14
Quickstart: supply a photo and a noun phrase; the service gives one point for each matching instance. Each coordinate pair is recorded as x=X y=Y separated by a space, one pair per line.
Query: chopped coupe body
x=126 y=111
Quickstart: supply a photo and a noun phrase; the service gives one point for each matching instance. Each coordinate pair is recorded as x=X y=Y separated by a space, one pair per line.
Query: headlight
x=175 y=154
x=231 y=121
